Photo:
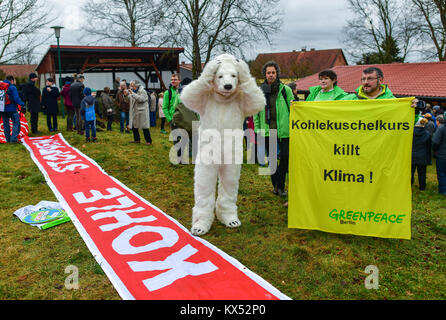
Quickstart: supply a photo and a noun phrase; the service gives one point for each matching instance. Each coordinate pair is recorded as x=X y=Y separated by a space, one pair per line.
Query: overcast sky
x=307 y=23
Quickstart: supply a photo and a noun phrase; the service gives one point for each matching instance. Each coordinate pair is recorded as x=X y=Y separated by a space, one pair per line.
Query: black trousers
x=34 y=121
x=109 y=122
x=70 y=118
x=146 y=132
x=79 y=121
x=51 y=126
x=421 y=168
x=278 y=177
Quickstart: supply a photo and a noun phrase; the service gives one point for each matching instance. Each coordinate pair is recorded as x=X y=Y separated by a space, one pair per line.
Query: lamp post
x=57 y=33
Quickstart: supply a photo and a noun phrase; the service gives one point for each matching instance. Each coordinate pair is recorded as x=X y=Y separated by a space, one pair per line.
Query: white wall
x=105 y=79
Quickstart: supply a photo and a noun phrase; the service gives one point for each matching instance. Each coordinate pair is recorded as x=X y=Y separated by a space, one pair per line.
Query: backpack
x=286 y=99
x=4 y=98
x=183 y=117
x=90 y=113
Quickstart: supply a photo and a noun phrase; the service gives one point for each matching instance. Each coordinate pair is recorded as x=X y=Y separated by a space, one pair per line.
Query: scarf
x=270 y=92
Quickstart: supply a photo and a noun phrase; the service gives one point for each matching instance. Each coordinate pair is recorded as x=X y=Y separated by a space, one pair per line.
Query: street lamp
x=57 y=34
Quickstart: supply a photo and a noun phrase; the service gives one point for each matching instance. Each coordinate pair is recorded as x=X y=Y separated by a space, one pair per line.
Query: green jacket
x=282 y=113
x=169 y=106
x=316 y=94
x=385 y=94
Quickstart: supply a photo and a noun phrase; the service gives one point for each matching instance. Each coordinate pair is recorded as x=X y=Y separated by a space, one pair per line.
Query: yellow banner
x=350 y=167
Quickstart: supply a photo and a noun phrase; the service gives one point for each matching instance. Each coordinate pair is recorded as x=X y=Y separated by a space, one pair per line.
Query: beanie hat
x=32 y=76
x=87 y=91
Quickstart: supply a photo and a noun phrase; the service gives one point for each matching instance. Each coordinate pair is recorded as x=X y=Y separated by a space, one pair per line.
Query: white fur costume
x=224 y=95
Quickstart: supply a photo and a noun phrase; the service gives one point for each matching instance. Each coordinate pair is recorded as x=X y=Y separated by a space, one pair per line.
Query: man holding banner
x=372 y=86
x=354 y=159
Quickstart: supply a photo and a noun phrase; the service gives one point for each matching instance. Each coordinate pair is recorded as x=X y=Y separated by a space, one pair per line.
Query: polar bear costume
x=224 y=95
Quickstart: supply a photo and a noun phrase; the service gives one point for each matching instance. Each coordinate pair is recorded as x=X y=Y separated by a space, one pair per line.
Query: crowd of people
x=84 y=108
x=137 y=110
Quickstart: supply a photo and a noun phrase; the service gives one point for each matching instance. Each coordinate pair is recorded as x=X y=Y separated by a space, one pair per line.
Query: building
x=102 y=65
x=18 y=70
x=424 y=80
x=186 y=70
x=299 y=64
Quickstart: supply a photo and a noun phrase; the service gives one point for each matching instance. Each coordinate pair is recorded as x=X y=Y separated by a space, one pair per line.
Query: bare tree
x=207 y=27
x=130 y=22
x=432 y=25
x=19 y=21
x=382 y=28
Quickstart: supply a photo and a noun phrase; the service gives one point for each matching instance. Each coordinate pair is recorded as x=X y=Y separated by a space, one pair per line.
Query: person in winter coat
x=122 y=99
x=276 y=116
x=439 y=147
x=171 y=98
x=421 y=152
x=328 y=89
x=430 y=125
x=108 y=107
x=161 y=112
x=88 y=114
x=139 y=112
x=76 y=96
x=65 y=93
x=31 y=95
x=9 y=99
x=50 y=94
x=153 y=109
x=293 y=87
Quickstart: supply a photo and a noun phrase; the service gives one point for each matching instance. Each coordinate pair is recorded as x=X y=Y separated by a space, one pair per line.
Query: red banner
x=145 y=253
x=24 y=129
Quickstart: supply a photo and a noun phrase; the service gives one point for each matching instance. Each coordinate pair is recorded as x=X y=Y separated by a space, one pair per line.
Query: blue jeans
x=14 y=116
x=441 y=175
x=90 y=125
x=153 y=118
x=124 y=118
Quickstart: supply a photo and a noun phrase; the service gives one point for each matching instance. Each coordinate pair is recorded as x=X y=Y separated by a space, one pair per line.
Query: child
x=89 y=114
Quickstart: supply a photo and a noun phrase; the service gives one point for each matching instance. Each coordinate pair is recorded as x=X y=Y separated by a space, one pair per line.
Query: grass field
x=303 y=264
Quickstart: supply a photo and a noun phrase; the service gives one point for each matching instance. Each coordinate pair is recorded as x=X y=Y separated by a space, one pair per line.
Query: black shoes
x=280 y=192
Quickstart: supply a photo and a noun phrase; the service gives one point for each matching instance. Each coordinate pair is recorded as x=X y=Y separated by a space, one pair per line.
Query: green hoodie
x=316 y=94
x=169 y=106
x=385 y=94
x=283 y=114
